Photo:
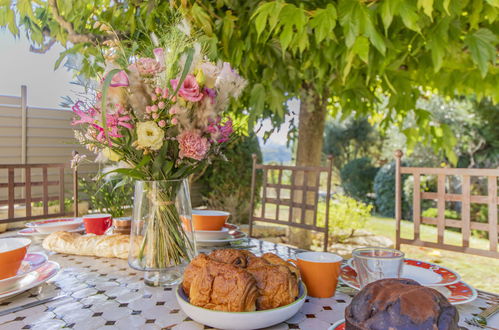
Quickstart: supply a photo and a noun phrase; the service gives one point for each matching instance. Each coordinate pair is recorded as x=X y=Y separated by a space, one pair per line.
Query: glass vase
x=161 y=239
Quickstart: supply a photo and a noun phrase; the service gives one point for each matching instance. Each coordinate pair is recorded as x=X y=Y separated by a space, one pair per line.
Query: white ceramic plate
x=52 y=225
x=35 y=278
x=425 y=273
x=456 y=293
x=33 y=232
x=31 y=262
x=244 y=320
x=233 y=236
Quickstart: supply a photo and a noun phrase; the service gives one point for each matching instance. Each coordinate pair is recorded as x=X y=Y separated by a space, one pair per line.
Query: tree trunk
x=309 y=151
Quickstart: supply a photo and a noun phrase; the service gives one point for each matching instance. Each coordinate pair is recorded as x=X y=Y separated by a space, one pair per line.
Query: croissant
x=276 y=260
x=277 y=286
x=221 y=286
x=232 y=256
x=107 y=246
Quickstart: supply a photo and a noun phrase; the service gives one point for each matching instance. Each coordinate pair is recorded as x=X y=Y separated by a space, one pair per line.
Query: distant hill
x=275 y=153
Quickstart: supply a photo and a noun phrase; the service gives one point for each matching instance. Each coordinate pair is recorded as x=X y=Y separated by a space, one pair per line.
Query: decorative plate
x=33 y=232
x=425 y=273
x=340 y=325
x=456 y=293
x=59 y=224
x=241 y=320
x=35 y=278
x=31 y=262
x=233 y=237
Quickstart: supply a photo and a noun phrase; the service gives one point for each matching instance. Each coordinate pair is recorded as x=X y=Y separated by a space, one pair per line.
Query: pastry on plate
x=400 y=304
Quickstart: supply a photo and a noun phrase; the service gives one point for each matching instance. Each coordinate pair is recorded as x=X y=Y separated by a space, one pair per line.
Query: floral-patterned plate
x=426 y=273
x=340 y=325
x=456 y=293
x=34 y=232
x=31 y=262
x=35 y=278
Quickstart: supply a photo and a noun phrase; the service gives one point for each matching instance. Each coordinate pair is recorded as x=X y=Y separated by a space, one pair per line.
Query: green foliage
x=361 y=54
x=433 y=213
x=349 y=139
x=346 y=216
x=384 y=189
x=110 y=195
x=357 y=178
x=357 y=53
x=227 y=184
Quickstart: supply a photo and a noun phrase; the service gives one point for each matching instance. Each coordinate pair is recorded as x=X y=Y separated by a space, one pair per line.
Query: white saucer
x=35 y=278
x=233 y=236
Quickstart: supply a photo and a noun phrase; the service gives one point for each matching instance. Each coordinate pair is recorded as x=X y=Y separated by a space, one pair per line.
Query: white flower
x=210 y=73
x=229 y=81
x=149 y=135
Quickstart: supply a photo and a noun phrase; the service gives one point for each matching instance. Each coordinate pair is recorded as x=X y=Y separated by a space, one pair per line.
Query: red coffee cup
x=97 y=223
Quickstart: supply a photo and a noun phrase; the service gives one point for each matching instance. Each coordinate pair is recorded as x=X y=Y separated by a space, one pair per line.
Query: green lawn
x=481 y=272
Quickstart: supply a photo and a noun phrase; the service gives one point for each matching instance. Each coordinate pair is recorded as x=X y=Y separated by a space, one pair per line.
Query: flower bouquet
x=158 y=112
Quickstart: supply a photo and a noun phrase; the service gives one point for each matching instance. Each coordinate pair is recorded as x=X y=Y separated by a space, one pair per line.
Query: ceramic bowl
x=53 y=225
x=12 y=253
x=244 y=320
x=209 y=219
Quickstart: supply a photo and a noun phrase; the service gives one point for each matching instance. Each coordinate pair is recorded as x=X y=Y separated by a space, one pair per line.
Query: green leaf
x=349 y=11
x=427 y=6
x=185 y=71
x=446 y=6
x=202 y=18
x=494 y=3
x=24 y=8
x=130 y=172
x=323 y=22
x=260 y=16
x=388 y=10
x=257 y=99
x=481 y=44
x=285 y=37
x=361 y=48
x=477 y=7
x=408 y=13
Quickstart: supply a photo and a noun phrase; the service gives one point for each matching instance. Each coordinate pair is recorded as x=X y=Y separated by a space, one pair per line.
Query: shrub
x=384 y=189
x=357 y=178
x=226 y=184
x=346 y=215
x=433 y=213
x=113 y=194
x=428 y=183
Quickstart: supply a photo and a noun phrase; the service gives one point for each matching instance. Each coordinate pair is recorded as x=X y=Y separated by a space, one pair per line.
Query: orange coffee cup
x=12 y=253
x=319 y=271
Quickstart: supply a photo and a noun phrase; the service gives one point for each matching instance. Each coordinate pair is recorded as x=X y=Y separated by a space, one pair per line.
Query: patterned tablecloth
x=106 y=293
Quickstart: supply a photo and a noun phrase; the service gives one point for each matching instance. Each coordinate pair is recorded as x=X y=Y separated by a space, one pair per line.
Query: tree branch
x=73 y=36
x=44 y=48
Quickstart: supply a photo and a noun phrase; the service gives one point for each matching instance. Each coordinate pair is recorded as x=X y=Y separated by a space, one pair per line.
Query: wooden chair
x=441 y=197
x=310 y=183
x=26 y=182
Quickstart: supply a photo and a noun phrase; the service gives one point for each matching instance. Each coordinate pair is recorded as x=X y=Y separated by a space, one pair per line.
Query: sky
x=19 y=66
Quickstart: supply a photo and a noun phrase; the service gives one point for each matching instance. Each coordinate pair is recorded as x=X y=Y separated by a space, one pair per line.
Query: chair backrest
x=303 y=180
x=441 y=196
x=25 y=182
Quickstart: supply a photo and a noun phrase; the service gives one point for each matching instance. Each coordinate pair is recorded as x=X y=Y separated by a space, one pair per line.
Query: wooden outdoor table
x=107 y=293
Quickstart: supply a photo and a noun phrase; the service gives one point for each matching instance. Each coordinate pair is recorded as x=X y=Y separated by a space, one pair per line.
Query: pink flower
x=174 y=121
x=119 y=80
x=173 y=110
x=162 y=123
x=220 y=132
x=165 y=93
x=154 y=108
x=148 y=109
x=148 y=66
x=158 y=90
x=189 y=90
x=154 y=97
x=192 y=145
x=159 y=55
x=155 y=116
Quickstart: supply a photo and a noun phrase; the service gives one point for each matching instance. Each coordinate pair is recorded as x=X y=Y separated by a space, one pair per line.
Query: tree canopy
x=355 y=55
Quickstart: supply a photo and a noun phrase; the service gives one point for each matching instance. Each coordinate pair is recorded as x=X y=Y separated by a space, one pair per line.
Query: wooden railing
x=465 y=224
x=27 y=184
